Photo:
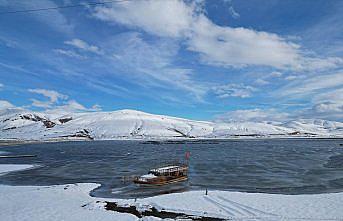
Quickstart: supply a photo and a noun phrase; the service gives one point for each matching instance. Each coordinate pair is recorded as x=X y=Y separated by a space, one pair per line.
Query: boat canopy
x=168 y=169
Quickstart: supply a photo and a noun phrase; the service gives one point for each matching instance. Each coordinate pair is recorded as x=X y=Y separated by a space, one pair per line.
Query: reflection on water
x=289 y=166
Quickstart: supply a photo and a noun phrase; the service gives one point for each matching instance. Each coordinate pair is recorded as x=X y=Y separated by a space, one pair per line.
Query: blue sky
x=210 y=60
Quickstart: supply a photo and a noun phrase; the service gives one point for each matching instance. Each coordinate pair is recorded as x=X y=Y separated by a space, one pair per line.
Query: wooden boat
x=163 y=175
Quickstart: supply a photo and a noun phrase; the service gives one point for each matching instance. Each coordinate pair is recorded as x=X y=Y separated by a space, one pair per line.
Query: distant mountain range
x=22 y=124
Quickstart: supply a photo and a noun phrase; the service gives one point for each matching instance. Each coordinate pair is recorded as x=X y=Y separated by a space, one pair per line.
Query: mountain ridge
x=21 y=124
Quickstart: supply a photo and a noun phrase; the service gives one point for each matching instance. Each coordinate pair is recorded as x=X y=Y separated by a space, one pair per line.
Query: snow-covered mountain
x=130 y=124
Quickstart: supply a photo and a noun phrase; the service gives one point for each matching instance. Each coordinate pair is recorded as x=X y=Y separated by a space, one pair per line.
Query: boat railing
x=170 y=171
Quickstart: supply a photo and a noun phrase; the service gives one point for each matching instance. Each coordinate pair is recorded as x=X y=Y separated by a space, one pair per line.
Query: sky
x=220 y=60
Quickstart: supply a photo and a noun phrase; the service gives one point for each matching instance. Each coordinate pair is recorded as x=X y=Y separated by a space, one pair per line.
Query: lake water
x=286 y=166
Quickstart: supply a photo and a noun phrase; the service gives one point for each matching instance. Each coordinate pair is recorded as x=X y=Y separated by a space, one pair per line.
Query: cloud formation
x=256 y=115
x=59 y=102
x=52 y=95
x=233 y=90
x=82 y=45
x=330 y=107
x=152 y=64
x=216 y=45
x=162 y=18
x=261 y=82
x=313 y=85
x=5 y=104
x=324 y=93
x=69 y=53
x=237 y=47
x=267 y=78
x=233 y=13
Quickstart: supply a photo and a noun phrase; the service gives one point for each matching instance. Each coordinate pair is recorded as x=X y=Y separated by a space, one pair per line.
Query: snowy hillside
x=129 y=124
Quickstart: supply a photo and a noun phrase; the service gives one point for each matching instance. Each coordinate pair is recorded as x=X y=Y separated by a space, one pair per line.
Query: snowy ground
x=72 y=202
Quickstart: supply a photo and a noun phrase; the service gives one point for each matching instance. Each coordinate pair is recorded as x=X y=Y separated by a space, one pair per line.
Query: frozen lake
x=286 y=166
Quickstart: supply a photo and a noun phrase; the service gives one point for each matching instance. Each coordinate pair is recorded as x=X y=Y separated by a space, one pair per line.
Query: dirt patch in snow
x=152 y=211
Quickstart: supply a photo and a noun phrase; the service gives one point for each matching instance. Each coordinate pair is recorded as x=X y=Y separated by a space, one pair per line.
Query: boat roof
x=168 y=168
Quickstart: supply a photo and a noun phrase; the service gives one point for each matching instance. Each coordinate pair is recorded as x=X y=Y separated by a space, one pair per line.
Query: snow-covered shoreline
x=7 y=168
x=73 y=202
x=5 y=142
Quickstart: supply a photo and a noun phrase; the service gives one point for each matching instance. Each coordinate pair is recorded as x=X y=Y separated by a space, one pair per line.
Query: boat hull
x=161 y=182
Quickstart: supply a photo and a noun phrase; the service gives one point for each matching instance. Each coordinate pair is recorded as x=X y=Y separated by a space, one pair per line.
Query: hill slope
x=129 y=124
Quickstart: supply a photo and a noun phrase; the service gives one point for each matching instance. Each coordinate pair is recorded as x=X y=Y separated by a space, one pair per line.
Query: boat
x=163 y=175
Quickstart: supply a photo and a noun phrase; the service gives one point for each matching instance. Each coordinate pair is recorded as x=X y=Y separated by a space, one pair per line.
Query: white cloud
x=261 y=82
x=82 y=45
x=323 y=95
x=52 y=95
x=226 y=46
x=233 y=90
x=233 y=13
x=334 y=95
x=150 y=64
x=329 y=104
x=312 y=85
x=329 y=107
x=162 y=18
x=1 y=86
x=96 y=107
x=69 y=53
x=8 y=42
x=266 y=79
x=325 y=110
x=319 y=64
x=275 y=74
x=217 y=45
x=59 y=102
x=291 y=77
x=42 y=104
x=256 y=115
x=73 y=106
x=328 y=111
x=5 y=104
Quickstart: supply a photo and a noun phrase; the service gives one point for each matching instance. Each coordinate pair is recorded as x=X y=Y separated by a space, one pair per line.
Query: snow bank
x=64 y=202
x=6 y=168
x=252 y=206
x=72 y=202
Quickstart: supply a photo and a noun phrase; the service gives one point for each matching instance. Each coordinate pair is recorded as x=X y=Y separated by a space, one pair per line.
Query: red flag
x=188 y=155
